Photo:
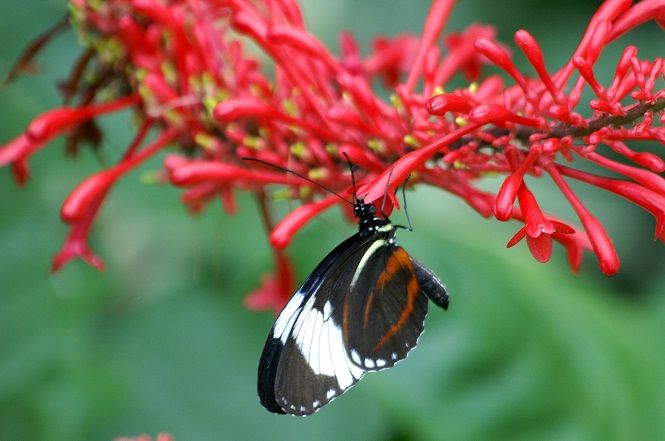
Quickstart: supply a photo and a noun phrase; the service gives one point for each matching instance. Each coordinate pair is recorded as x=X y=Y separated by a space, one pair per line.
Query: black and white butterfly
x=361 y=309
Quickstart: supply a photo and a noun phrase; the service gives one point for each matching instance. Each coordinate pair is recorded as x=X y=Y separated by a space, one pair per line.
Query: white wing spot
x=380 y=362
x=326 y=365
x=314 y=358
x=316 y=403
x=284 y=322
x=331 y=393
x=327 y=310
x=393 y=355
x=369 y=363
x=302 y=408
x=305 y=339
x=322 y=345
x=355 y=356
x=344 y=370
x=319 y=340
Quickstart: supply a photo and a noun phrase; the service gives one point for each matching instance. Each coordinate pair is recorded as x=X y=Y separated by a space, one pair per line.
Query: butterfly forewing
x=386 y=311
x=272 y=352
x=304 y=363
x=314 y=367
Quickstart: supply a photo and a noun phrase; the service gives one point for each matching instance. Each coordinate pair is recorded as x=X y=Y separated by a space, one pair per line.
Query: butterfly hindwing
x=385 y=310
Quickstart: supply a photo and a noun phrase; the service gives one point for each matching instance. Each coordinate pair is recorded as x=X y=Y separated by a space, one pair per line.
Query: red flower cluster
x=182 y=67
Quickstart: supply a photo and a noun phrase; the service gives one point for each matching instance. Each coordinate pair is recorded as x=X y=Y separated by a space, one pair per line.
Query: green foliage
x=162 y=342
x=525 y=352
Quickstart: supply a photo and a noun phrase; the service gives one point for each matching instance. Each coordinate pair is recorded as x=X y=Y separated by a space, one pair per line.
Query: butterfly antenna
x=406 y=212
x=286 y=170
x=353 y=178
x=385 y=193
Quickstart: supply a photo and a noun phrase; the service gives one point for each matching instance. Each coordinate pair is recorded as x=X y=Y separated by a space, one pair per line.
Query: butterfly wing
x=361 y=309
x=304 y=363
x=385 y=309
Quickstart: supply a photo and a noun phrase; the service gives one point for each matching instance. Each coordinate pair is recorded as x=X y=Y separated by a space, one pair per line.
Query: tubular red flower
x=532 y=51
x=586 y=71
x=646 y=178
x=651 y=201
x=448 y=102
x=49 y=125
x=88 y=192
x=501 y=57
x=233 y=109
x=282 y=234
x=94 y=188
x=621 y=70
x=645 y=159
x=602 y=245
x=503 y=205
x=636 y=15
x=304 y=42
x=76 y=244
x=575 y=242
x=198 y=172
x=538 y=229
x=486 y=113
x=436 y=20
x=15 y=152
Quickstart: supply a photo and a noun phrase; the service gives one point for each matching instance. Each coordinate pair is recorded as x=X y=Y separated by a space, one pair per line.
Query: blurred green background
x=161 y=341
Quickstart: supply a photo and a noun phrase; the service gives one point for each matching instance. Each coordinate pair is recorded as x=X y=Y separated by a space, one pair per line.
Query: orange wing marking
x=345 y=320
x=392 y=266
x=412 y=291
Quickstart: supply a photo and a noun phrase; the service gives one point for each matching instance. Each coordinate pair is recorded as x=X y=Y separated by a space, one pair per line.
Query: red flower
x=538 y=229
x=180 y=65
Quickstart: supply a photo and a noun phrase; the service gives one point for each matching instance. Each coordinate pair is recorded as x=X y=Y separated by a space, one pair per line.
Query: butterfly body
x=361 y=309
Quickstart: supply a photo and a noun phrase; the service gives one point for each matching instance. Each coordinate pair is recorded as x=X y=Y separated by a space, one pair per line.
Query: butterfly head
x=368 y=223
x=363 y=211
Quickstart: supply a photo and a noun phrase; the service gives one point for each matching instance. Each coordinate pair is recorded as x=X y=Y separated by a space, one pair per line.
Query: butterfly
x=362 y=309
